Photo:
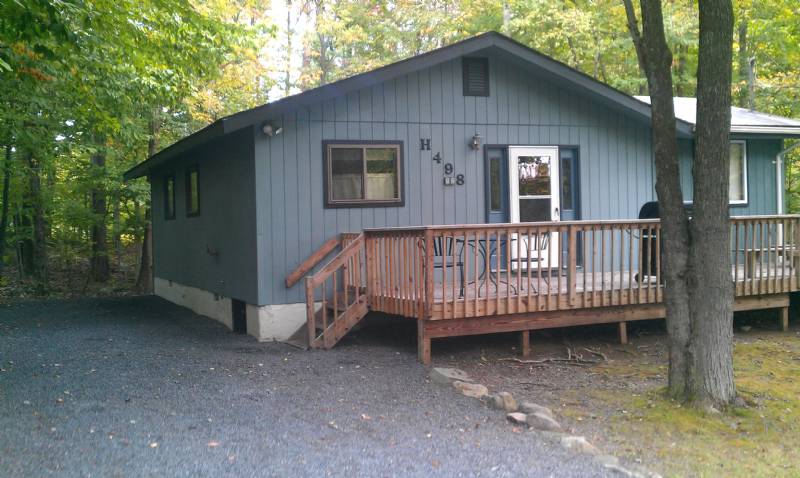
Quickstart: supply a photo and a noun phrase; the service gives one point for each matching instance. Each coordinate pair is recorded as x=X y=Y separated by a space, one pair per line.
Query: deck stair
x=336 y=295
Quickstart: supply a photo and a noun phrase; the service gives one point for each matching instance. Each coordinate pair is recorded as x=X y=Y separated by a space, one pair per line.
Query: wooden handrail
x=311 y=261
x=600 y=263
x=337 y=261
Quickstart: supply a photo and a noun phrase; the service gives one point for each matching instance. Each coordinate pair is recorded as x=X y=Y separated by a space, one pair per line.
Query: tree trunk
x=144 y=281
x=656 y=59
x=4 y=213
x=711 y=289
x=37 y=260
x=100 y=271
x=117 y=239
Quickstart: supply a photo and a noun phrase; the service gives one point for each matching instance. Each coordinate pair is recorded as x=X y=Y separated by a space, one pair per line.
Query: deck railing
x=335 y=295
x=448 y=272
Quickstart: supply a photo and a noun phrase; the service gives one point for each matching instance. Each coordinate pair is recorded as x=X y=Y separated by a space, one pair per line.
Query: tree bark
x=144 y=281
x=656 y=60
x=100 y=270
x=4 y=213
x=711 y=289
x=37 y=245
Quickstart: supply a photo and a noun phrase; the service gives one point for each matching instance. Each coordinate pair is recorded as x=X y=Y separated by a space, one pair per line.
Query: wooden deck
x=475 y=279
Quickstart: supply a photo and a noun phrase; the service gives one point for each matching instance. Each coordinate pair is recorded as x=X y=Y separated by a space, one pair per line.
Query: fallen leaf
x=154 y=445
x=364 y=416
x=213 y=444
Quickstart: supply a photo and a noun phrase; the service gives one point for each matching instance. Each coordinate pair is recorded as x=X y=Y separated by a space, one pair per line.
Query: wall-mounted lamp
x=475 y=143
x=270 y=130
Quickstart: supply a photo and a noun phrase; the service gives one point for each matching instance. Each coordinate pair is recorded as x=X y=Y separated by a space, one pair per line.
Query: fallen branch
x=595 y=352
x=575 y=360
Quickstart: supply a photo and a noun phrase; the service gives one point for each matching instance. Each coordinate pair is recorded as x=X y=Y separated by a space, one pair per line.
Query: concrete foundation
x=275 y=322
x=199 y=301
x=266 y=323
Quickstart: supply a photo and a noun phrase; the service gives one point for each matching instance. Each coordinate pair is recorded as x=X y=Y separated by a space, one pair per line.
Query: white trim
x=792 y=130
x=744 y=173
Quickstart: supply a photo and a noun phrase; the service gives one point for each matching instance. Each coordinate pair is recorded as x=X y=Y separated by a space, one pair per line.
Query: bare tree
x=699 y=292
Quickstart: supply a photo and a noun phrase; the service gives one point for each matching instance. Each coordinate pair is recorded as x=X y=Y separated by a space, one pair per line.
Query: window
x=169 y=197
x=363 y=174
x=476 y=76
x=738 y=173
x=192 y=191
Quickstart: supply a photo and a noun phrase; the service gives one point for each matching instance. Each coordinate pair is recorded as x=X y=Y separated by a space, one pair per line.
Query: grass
x=758 y=441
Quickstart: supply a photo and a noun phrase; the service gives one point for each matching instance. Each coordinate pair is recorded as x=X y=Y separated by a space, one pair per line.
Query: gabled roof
x=489 y=44
x=743 y=121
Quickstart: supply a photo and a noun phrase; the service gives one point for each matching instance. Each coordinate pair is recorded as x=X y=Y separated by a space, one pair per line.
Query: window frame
x=167 y=178
x=741 y=202
x=330 y=203
x=188 y=189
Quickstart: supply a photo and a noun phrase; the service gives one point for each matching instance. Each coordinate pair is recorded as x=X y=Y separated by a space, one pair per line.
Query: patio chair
x=530 y=243
x=443 y=257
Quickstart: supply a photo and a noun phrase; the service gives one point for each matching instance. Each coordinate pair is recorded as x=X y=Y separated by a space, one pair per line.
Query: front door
x=534 y=197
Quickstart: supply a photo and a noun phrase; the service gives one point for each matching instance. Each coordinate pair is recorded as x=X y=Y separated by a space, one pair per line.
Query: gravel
x=141 y=387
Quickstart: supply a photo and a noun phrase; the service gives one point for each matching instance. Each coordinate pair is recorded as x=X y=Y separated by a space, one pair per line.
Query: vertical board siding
x=226 y=224
x=616 y=169
x=761 y=176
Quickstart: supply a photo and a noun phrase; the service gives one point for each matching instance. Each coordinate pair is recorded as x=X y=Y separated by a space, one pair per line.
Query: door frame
x=543 y=257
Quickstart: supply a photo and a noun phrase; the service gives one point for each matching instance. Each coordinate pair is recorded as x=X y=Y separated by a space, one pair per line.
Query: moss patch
x=758 y=441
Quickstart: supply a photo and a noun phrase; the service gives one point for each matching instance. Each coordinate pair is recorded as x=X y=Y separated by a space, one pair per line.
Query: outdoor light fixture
x=475 y=144
x=270 y=130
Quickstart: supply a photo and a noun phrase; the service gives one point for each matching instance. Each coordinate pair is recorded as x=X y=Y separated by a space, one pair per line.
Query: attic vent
x=476 y=76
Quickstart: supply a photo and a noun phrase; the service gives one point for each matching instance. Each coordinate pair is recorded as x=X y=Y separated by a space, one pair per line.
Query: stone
x=530 y=407
x=445 y=376
x=517 y=418
x=579 y=444
x=474 y=390
x=503 y=401
x=540 y=421
x=606 y=460
x=746 y=328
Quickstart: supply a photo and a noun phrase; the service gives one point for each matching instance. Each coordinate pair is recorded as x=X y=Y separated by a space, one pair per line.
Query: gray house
x=449 y=137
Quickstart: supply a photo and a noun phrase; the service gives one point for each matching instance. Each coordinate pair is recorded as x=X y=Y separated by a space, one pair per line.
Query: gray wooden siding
x=761 y=176
x=227 y=221
x=616 y=166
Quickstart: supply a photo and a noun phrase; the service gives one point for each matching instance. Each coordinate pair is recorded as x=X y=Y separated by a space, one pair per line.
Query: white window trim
x=744 y=173
x=738 y=202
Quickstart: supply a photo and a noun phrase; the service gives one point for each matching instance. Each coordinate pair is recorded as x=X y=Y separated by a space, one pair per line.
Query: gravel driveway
x=140 y=387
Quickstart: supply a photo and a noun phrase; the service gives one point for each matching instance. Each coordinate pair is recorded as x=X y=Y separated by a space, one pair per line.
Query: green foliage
x=106 y=78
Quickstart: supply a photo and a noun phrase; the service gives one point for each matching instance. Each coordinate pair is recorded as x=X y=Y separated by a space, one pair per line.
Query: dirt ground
x=589 y=396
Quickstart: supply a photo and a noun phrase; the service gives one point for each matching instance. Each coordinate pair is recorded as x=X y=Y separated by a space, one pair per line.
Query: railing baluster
x=659 y=293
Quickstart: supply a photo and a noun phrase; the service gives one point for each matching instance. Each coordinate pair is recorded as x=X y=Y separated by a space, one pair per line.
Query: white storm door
x=534 y=197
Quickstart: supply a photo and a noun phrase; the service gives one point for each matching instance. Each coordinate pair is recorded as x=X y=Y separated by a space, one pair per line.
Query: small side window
x=738 y=173
x=192 y=191
x=169 y=197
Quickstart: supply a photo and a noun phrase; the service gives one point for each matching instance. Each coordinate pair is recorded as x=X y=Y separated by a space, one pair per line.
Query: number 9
x=448 y=168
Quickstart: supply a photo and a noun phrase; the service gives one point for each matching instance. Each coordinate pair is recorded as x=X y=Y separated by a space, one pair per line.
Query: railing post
x=310 y=319
x=572 y=266
x=429 y=273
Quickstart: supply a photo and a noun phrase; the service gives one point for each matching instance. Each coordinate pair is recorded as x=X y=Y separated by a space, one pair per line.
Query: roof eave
x=787 y=131
x=214 y=130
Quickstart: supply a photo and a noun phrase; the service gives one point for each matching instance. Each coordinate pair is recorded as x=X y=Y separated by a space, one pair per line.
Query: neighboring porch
x=487 y=278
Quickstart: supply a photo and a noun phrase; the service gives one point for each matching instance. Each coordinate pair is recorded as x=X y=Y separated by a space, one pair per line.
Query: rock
x=474 y=390
x=530 y=407
x=446 y=376
x=503 y=401
x=746 y=328
x=579 y=444
x=739 y=402
x=516 y=417
x=606 y=460
x=540 y=421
